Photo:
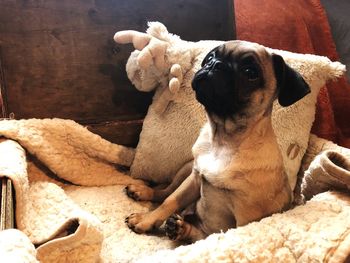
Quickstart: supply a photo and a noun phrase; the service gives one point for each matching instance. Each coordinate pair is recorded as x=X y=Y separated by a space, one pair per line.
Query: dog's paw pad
x=174 y=227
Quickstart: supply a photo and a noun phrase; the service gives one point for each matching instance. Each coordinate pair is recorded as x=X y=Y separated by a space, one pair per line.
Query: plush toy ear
x=290 y=84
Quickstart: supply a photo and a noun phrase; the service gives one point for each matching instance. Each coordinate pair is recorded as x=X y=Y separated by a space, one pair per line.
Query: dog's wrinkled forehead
x=236 y=49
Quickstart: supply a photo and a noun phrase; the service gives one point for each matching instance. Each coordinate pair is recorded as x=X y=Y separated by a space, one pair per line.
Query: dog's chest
x=213 y=164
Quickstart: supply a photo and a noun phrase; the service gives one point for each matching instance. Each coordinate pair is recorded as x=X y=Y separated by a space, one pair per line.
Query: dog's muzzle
x=214 y=86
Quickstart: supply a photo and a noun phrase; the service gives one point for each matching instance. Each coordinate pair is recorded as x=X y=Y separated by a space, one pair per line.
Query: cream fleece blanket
x=85 y=222
x=70 y=223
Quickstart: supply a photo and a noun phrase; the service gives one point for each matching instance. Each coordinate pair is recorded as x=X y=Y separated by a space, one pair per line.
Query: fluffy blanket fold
x=316 y=232
x=84 y=222
x=53 y=220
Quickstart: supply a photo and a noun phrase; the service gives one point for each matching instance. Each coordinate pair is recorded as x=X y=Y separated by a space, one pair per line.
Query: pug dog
x=237 y=174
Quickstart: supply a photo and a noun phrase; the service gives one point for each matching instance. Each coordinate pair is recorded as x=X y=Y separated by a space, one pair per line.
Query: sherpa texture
x=70 y=223
x=58 y=143
x=165 y=63
x=318 y=231
x=330 y=168
x=15 y=247
x=47 y=216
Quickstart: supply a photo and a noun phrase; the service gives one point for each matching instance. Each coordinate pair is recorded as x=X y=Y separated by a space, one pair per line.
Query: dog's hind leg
x=146 y=193
x=181 y=175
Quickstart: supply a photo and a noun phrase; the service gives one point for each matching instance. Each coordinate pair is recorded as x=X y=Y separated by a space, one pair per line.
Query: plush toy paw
x=170 y=92
x=176 y=77
x=152 y=50
x=154 y=63
x=147 y=66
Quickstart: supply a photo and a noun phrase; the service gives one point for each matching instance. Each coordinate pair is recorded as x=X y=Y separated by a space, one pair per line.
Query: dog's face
x=241 y=78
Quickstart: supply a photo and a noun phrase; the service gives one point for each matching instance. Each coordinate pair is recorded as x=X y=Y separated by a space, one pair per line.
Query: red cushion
x=300 y=26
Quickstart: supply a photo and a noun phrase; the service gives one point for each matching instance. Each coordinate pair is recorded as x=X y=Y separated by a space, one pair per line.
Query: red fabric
x=300 y=26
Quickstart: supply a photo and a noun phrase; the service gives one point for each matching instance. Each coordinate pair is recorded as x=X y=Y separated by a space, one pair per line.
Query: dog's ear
x=290 y=84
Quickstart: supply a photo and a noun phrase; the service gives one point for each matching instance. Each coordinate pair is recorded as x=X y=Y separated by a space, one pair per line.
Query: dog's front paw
x=140 y=222
x=139 y=192
x=175 y=227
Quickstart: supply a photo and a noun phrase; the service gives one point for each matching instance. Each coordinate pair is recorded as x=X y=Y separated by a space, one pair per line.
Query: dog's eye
x=208 y=59
x=251 y=72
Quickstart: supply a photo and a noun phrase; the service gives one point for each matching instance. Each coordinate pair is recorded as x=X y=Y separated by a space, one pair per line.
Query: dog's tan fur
x=238 y=174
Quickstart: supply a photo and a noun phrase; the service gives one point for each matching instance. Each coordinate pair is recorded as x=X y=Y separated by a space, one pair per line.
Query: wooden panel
x=59 y=58
x=121 y=132
x=3 y=108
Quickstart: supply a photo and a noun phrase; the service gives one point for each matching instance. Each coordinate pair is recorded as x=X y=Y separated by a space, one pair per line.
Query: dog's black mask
x=216 y=83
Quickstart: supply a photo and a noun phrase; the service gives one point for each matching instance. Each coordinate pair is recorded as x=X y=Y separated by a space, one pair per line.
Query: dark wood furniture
x=58 y=57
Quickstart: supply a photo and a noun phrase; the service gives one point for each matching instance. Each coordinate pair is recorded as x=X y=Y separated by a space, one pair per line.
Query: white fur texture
x=168 y=135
